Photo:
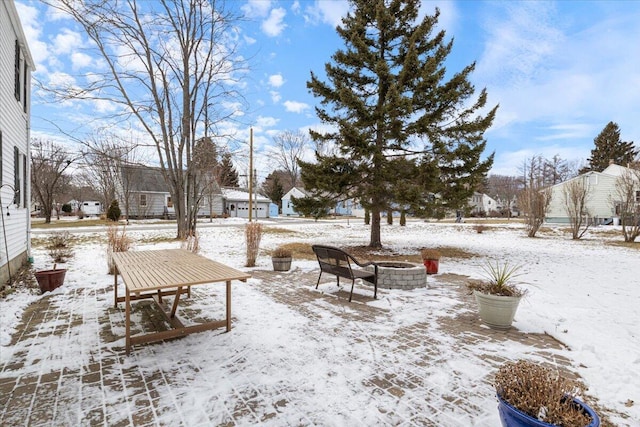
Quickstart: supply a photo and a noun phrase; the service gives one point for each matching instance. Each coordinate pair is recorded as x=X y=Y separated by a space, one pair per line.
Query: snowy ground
x=584 y=293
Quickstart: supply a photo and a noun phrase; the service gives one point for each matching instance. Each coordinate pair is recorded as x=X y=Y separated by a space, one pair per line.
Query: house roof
x=237 y=195
x=144 y=179
x=294 y=191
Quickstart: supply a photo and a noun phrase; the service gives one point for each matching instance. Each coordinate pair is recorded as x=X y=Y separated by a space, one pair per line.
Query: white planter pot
x=497 y=311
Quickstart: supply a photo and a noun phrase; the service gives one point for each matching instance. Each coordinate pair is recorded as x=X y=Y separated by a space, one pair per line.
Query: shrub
x=114 y=213
x=430 y=254
x=281 y=252
x=59 y=246
x=541 y=392
x=253 y=234
x=117 y=241
x=66 y=208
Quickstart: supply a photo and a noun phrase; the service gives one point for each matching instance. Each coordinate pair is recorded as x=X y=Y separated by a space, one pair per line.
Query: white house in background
x=601 y=199
x=287 y=204
x=481 y=204
x=16 y=66
x=236 y=204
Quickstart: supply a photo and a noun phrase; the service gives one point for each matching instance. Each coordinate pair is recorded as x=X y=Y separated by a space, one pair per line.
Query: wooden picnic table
x=158 y=273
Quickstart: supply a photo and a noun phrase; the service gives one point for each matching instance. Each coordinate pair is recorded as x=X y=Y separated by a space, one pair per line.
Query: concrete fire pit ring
x=400 y=275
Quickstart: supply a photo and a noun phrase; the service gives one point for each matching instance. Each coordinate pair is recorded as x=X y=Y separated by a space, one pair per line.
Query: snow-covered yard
x=297 y=356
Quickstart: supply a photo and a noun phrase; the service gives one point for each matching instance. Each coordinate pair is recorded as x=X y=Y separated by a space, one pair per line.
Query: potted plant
x=431 y=260
x=281 y=258
x=498 y=296
x=59 y=249
x=533 y=395
x=48 y=280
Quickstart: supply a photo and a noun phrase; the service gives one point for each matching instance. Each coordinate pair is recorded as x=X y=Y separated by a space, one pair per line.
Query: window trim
x=143 y=200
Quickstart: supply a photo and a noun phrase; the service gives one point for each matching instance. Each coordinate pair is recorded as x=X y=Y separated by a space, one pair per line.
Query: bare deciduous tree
x=172 y=66
x=534 y=200
x=49 y=161
x=576 y=197
x=106 y=157
x=288 y=148
x=627 y=203
x=506 y=189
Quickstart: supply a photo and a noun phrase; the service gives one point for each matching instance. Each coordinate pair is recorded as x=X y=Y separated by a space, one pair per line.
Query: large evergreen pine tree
x=228 y=177
x=401 y=131
x=609 y=147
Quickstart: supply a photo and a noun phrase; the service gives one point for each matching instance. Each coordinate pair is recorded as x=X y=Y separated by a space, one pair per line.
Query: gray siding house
x=16 y=66
x=144 y=193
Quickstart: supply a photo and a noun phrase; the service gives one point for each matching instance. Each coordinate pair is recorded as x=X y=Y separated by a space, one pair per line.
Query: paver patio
x=393 y=379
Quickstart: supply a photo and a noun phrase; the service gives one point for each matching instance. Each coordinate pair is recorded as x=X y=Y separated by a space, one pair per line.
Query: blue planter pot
x=511 y=417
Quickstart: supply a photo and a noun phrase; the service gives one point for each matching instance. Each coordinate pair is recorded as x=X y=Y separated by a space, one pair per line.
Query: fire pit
x=401 y=275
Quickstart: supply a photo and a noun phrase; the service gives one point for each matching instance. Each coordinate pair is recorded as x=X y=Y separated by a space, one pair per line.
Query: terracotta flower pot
x=50 y=279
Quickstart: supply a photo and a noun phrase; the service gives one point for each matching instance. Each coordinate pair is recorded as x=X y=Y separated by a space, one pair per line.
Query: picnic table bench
x=336 y=261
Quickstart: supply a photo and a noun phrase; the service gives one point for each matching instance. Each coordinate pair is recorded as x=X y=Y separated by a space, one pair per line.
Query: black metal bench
x=335 y=261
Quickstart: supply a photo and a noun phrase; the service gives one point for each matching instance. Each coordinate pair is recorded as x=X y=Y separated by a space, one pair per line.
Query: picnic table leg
x=127 y=321
x=115 y=288
x=228 y=305
x=174 y=308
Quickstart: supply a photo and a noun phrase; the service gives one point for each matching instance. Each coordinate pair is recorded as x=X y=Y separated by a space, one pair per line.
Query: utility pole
x=250 y=173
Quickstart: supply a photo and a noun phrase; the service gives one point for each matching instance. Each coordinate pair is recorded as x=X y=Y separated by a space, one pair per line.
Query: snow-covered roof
x=237 y=195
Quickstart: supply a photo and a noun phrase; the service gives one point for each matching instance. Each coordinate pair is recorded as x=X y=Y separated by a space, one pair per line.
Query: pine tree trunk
x=375 y=241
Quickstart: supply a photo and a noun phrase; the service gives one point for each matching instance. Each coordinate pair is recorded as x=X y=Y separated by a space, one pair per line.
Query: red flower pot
x=431 y=265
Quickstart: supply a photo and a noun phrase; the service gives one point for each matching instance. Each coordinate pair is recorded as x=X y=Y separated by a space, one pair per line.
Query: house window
x=17 y=86
x=25 y=87
x=169 y=202
x=638 y=196
x=143 y=200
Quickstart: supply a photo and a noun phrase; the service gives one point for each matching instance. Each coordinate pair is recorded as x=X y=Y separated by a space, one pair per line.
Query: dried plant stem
x=117 y=241
x=253 y=234
x=192 y=242
x=541 y=392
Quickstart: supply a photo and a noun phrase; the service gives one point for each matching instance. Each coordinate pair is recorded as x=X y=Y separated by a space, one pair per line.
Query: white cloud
x=276 y=80
x=327 y=12
x=80 y=60
x=295 y=107
x=266 y=122
x=66 y=41
x=275 y=96
x=256 y=8
x=274 y=24
x=59 y=79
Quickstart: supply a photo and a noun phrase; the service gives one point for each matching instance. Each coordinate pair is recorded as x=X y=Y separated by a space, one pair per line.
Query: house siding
x=602 y=190
x=14 y=131
x=287 y=205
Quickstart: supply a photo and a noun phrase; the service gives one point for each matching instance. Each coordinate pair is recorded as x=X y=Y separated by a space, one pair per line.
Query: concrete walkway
x=400 y=378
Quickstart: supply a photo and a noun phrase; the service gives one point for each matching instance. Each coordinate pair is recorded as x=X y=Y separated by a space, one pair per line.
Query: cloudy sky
x=560 y=71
